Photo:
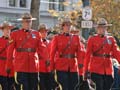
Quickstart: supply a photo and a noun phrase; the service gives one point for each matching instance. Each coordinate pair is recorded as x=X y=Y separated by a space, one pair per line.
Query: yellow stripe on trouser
x=55 y=77
x=15 y=76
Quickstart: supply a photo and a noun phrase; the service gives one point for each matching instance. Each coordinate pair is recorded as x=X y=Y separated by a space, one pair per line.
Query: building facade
x=11 y=10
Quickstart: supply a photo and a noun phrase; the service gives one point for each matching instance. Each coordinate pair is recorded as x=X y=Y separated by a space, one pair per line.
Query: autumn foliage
x=110 y=10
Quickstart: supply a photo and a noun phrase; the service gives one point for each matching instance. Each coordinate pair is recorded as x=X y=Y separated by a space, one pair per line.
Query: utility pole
x=86 y=22
x=85 y=3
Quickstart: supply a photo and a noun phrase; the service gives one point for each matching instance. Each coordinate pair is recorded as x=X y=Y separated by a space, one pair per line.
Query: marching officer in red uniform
x=83 y=85
x=44 y=63
x=100 y=50
x=64 y=55
x=6 y=78
x=26 y=43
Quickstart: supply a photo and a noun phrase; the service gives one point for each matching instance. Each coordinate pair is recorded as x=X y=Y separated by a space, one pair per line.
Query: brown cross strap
x=3 y=58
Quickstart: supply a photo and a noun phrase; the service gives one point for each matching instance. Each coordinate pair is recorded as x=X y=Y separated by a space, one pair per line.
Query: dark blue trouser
x=68 y=80
x=29 y=81
x=7 y=83
x=116 y=83
x=3 y=82
x=11 y=83
x=103 y=82
x=83 y=85
x=46 y=81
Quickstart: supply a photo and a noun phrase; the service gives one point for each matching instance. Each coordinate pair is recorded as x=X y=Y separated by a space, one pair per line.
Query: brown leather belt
x=102 y=55
x=69 y=56
x=26 y=50
x=2 y=58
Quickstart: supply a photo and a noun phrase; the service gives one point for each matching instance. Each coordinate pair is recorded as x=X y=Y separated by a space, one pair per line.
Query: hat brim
x=106 y=25
x=43 y=30
x=75 y=31
x=10 y=27
x=21 y=19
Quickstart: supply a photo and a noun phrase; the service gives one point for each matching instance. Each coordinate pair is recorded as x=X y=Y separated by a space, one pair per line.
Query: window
x=22 y=3
x=51 y=5
x=61 y=6
x=12 y=3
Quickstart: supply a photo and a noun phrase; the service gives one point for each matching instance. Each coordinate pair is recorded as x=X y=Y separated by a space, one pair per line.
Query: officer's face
x=6 y=31
x=43 y=33
x=26 y=23
x=66 y=27
x=101 y=29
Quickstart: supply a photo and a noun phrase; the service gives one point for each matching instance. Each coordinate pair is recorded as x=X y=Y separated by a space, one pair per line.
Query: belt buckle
x=104 y=55
x=69 y=56
x=29 y=49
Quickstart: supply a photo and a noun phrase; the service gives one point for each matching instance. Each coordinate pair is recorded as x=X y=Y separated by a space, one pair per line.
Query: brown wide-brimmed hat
x=6 y=24
x=66 y=21
x=102 y=22
x=26 y=16
x=42 y=27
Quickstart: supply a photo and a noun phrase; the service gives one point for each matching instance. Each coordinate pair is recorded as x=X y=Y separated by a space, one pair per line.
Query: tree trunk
x=34 y=10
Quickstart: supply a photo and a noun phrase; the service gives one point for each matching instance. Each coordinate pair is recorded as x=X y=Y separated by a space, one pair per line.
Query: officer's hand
x=8 y=71
x=47 y=63
x=86 y=76
x=80 y=65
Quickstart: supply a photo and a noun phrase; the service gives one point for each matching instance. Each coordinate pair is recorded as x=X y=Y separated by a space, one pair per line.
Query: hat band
x=26 y=18
x=102 y=24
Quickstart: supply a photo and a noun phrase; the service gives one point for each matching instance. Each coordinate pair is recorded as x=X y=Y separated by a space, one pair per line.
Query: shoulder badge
x=33 y=36
x=109 y=41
